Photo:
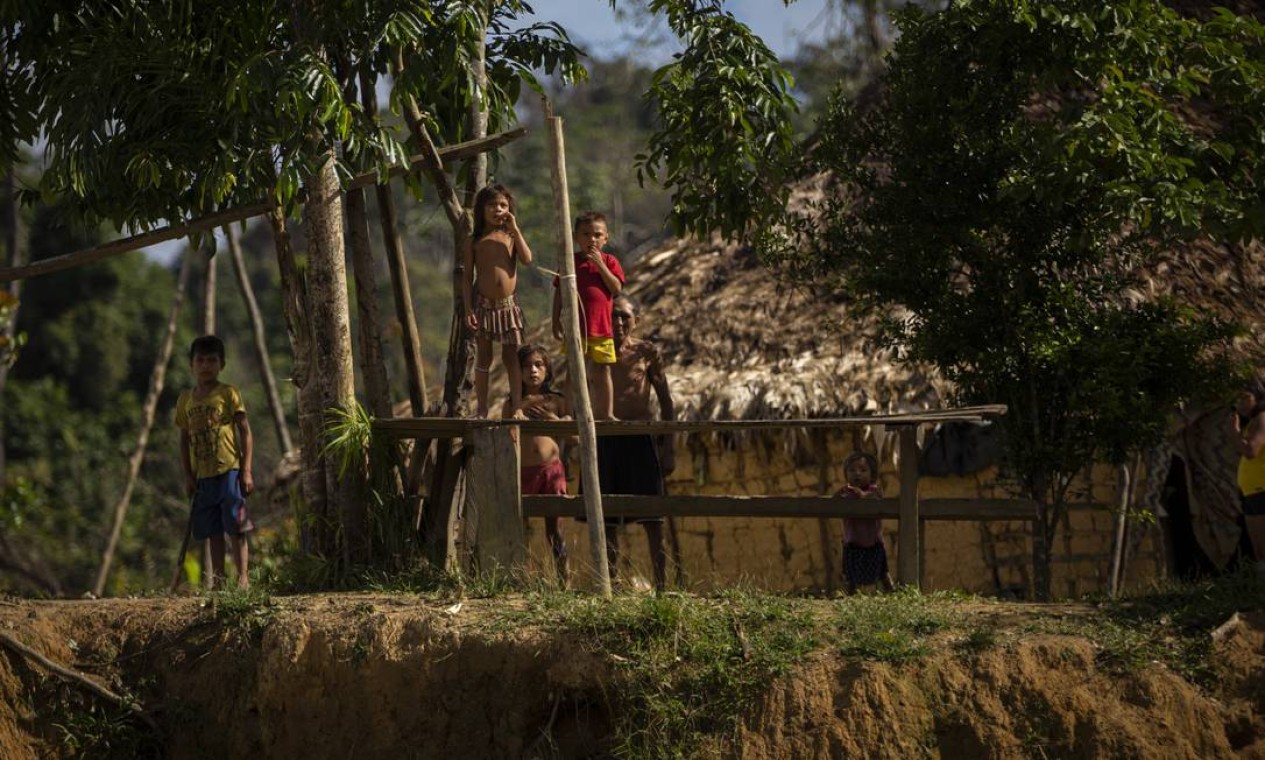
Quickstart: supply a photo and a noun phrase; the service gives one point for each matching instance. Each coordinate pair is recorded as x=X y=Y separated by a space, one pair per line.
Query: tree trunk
x=331 y=334
x=397 y=264
x=478 y=115
x=438 y=518
x=147 y=421
x=14 y=291
x=1042 y=533
x=261 y=345
x=372 y=364
x=207 y=322
x=294 y=304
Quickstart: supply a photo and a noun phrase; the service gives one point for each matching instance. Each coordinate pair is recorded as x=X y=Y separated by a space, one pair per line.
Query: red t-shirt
x=595 y=299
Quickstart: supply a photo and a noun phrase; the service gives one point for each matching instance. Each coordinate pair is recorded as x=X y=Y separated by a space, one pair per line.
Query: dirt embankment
x=385 y=676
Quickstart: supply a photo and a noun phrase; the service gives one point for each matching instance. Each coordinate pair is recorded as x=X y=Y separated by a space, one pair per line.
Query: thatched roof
x=1226 y=280
x=740 y=344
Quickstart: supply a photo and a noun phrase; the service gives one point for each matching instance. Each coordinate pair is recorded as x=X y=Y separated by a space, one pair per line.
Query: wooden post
x=494 y=499
x=400 y=289
x=258 y=339
x=575 y=359
x=1115 y=574
x=909 y=570
x=157 y=377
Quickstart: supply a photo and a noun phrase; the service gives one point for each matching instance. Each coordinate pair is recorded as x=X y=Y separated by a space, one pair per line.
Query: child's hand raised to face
x=593 y=253
x=510 y=224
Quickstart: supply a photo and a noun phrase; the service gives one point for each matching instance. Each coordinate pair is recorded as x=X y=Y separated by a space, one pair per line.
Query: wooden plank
x=617 y=505
x=909 y=546
x=409 y=427
x=448 y=155
x=493 y=500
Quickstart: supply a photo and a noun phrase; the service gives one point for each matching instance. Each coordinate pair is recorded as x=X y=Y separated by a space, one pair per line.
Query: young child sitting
x=541 y=468
x=216 y=449
x=864 y=556
x=493 y=313
x=598 y=279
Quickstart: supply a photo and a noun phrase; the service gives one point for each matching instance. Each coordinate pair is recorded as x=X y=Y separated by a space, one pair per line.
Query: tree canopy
x=1022 y=161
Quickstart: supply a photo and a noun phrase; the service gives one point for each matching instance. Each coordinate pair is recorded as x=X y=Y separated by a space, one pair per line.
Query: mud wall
x=805 y=554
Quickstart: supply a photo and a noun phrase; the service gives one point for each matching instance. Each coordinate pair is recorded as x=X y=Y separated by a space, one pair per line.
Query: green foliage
x=161 y=110
x=436 y=71
x=892 y=627
x=71 y=408
x=246 y=611
x=10 y=347
x=1173 y=622
x=377 y=464
x=724 y=142
x=93 y=730
x=1023 y=162
x=688 y=666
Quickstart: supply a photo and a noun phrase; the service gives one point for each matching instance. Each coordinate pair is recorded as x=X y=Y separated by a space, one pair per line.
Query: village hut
x=739 y=344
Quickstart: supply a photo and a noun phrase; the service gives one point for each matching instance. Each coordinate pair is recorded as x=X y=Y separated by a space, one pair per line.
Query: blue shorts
x=219 y=507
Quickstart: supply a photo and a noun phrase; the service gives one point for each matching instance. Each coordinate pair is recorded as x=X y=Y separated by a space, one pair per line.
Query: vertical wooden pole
x=400 y=289
x=156 y=378
x=575 y=358
x=494 y=499
x=208 y=328
x=260 y=343
x=373 y=368
x=909 y=570
x=208 y=294
x=1124 y=482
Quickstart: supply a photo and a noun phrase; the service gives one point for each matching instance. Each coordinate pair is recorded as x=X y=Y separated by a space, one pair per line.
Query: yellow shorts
x=600 y=350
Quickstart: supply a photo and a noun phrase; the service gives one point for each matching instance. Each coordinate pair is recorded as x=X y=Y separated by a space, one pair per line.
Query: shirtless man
x=493 y=313
x=637 y=464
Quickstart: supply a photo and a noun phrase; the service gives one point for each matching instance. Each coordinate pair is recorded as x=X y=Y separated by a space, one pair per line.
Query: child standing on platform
x=864 y=556
x=493 y=313
x=216 y=449
x=541 y=468
x=598 y=279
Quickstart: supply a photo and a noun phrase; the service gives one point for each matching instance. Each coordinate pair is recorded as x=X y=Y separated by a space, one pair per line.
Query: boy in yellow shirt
x=216 y=449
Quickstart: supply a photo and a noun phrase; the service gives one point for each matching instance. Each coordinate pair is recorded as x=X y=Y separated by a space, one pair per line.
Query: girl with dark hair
x=864 y=556
x=541 y=469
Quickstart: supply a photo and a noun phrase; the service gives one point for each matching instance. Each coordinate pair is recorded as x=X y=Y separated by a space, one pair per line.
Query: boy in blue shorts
x=216 y=447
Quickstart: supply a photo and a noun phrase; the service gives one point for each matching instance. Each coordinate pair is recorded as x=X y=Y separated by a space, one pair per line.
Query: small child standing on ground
x=495 y=252
x=598 y=279
x=216 y=449
x=864 y=556
x=541 y=470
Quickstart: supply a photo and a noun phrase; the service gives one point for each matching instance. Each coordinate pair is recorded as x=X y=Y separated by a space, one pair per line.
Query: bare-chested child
x=492 y=309
x=637 y=464
x=541 y=468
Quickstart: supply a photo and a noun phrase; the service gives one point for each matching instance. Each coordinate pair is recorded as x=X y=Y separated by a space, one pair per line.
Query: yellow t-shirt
x=209 y=422
x=1252 y=474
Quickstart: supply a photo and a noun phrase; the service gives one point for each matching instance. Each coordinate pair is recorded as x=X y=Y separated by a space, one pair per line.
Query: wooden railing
x=498 y=507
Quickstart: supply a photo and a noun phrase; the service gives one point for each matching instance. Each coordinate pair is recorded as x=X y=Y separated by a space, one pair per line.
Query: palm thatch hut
x=740 y=344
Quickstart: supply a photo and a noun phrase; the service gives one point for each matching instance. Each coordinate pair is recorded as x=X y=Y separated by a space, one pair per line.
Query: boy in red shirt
x=598 y=279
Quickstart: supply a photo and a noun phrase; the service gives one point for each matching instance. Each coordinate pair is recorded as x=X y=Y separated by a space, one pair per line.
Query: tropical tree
x=1024 y=162
x=160 y=111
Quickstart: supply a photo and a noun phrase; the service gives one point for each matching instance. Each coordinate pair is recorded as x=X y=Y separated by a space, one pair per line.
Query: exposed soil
x=363 y=675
